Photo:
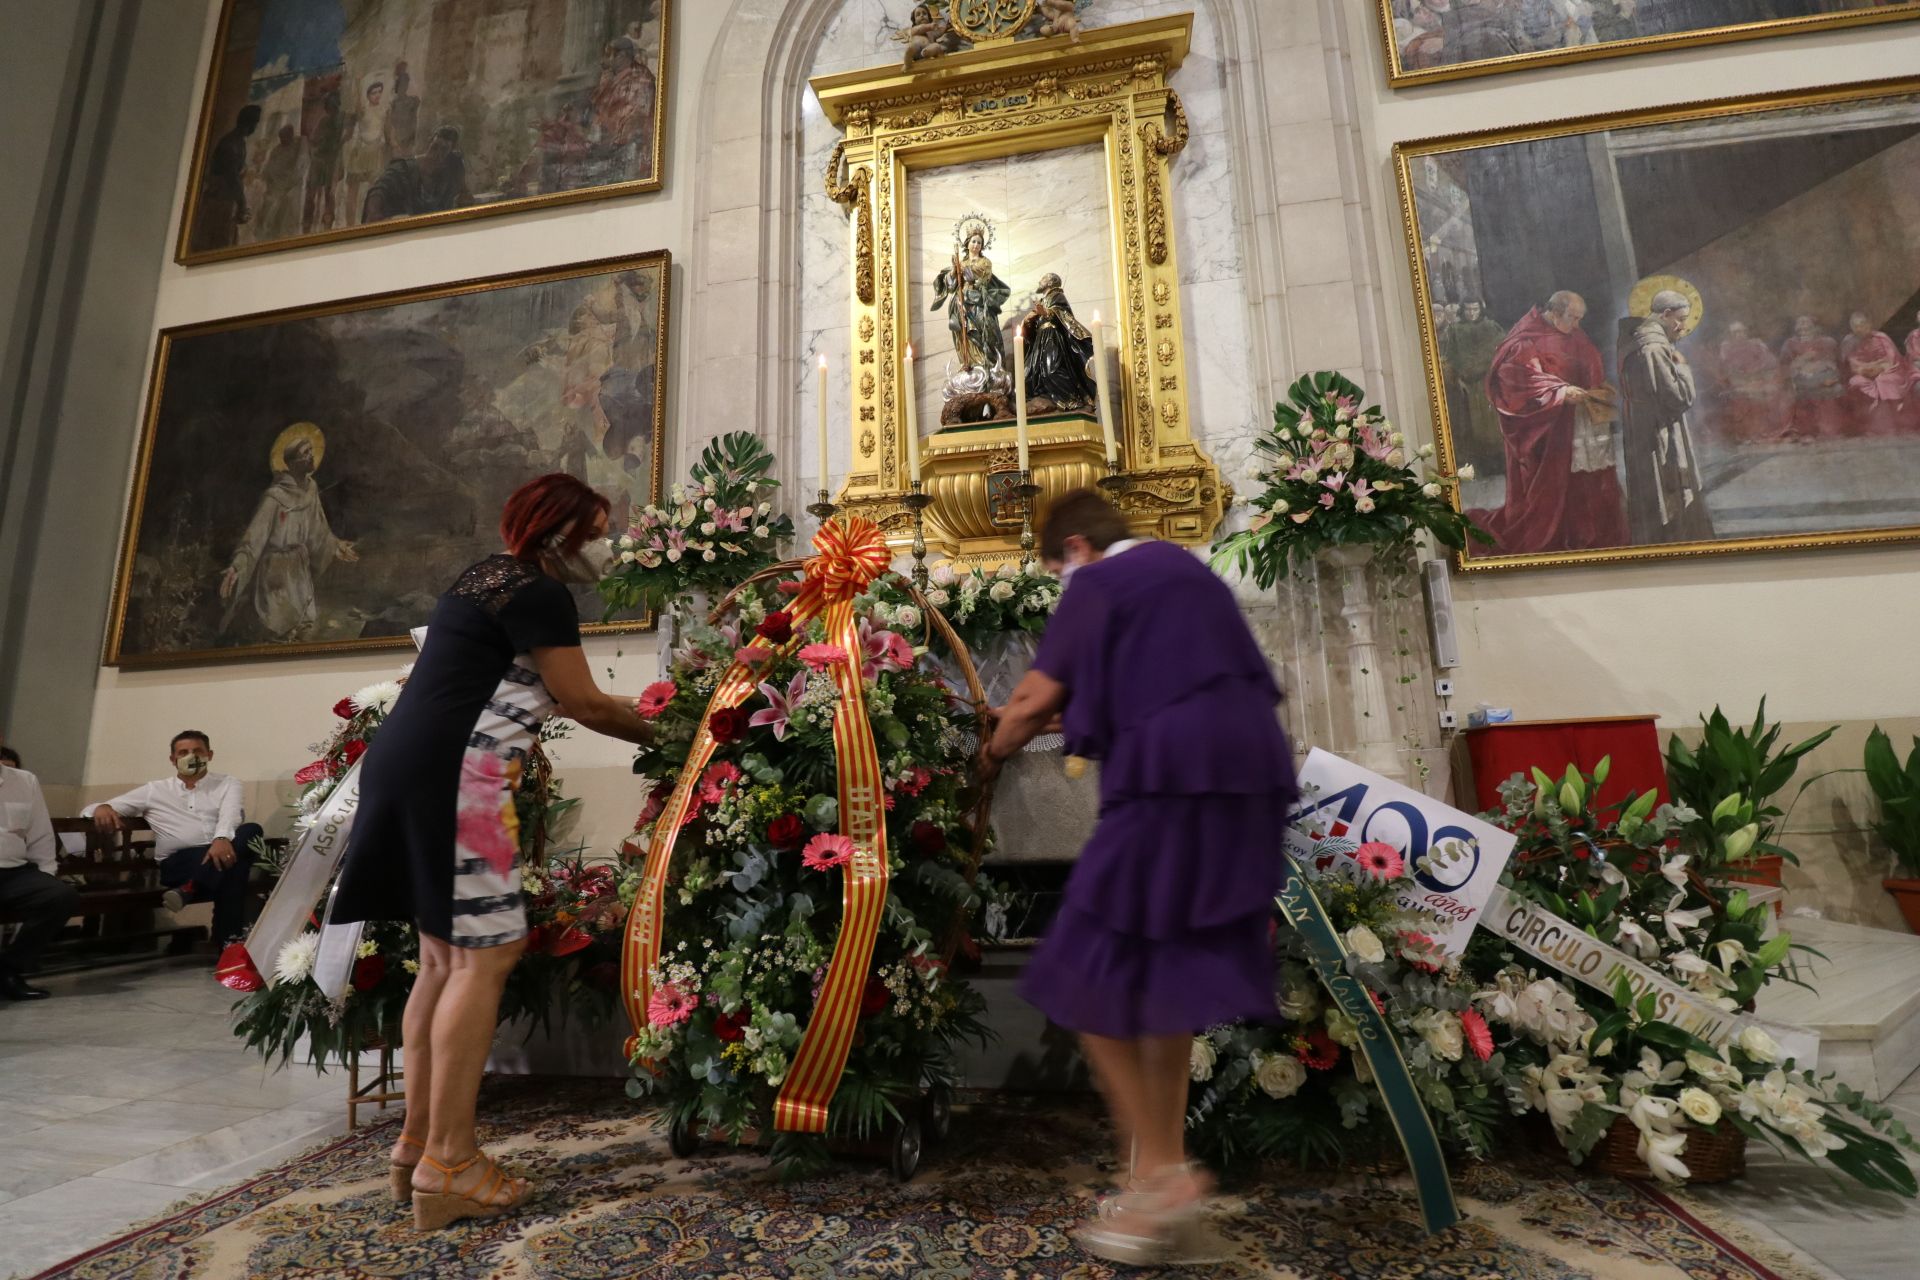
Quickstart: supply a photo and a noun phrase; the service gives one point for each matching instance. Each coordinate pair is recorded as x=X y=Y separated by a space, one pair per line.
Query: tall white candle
x=912 y=393
x=1020 y=396
x=1100 y=390
x=826 y=479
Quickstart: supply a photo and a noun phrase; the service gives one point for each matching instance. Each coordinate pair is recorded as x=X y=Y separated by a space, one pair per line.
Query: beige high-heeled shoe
x=496 y=1194
x=400 y=1174
x=1138 y=1227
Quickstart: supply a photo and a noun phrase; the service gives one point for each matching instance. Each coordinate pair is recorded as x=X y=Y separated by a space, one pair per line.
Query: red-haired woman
x=436 y=841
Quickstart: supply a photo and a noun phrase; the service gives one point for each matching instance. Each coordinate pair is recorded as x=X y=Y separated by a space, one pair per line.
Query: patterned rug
x=997 y=1200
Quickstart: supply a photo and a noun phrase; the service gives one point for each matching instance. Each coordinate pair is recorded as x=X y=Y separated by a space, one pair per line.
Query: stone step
x=1865 y=1002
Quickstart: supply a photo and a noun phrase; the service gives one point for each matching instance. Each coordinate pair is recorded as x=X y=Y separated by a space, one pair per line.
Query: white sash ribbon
x=308 y=872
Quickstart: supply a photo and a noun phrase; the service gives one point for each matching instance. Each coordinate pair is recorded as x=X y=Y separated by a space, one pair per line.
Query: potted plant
x=1898 y=790
x=1728 y=781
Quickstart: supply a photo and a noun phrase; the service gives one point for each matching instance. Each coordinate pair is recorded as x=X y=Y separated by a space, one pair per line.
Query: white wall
x=265 y=716
x=1823 y=634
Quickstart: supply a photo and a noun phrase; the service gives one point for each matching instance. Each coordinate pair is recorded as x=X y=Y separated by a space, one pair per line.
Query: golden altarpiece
x=1102 y=95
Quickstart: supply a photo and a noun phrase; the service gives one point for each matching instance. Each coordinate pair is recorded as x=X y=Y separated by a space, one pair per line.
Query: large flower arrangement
x=1299 y=1088
x=754 y=901
x=574 y=908
x=718 y=529
x=982 y=607
x=1340 y=475
x=1587 y=1059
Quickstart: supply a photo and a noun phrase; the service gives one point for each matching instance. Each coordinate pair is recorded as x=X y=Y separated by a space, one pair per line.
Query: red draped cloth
x=1549 y=506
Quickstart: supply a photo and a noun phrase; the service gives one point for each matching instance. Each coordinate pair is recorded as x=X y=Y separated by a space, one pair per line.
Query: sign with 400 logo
x=1344 y=806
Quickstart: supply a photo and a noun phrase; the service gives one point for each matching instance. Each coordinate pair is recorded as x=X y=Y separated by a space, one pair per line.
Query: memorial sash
x=851 y=554
x=289 y=907
x=1303 y=911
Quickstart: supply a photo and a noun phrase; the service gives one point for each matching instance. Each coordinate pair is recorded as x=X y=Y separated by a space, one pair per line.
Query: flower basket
x=1712 y=1155
x=753 y=893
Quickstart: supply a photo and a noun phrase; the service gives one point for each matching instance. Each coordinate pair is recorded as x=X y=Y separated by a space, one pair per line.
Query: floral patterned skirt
x=489 y=909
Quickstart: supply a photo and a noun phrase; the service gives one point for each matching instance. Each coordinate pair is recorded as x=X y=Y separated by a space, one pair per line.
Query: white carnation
x=1280 y=1075
x=1201 y=1057
x=296 y=958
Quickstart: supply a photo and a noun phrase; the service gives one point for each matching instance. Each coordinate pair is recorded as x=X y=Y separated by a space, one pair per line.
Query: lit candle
x=1020 y=396
x=913 y=420
x=1100 y=391
x=825 y=479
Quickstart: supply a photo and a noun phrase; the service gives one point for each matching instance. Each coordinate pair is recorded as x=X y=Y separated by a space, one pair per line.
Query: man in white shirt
x=201 y=835
x=29 y=890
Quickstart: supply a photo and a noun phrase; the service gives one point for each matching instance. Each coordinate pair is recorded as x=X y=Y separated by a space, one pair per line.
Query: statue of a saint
x=973 y=297
x=1059 y=351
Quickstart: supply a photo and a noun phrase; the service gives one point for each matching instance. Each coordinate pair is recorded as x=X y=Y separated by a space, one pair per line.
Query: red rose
x=729 y=1027
x=367 y=972
x=344 y=708
x=787 y=831
x=875 y=998
x=729 y=724
x=312 y=773
x=777 y=629
x=927 y=839
x=354 y=750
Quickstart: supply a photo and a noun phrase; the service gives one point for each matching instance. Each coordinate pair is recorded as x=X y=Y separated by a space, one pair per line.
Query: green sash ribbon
x=1308 y=918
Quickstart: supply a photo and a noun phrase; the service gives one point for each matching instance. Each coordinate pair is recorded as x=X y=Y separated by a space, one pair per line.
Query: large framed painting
x=326 y=119
x=1680 y=331
x=1430 y=40
x=310 y=480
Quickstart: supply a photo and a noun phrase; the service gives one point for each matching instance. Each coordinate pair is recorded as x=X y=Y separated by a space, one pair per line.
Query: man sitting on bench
x=201 y=836
x=29 y=890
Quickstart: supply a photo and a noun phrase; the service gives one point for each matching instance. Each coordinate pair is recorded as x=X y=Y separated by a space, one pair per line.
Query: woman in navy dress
x=1165 y=927
x=436 y=839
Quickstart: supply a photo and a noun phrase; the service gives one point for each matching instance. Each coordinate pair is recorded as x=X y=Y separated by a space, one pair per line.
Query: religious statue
x=973 y=297
x=928 y=34
x=1057 y=18
x=1059 y=353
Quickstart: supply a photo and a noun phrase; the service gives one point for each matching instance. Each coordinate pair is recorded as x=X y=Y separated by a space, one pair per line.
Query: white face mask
x=587 y=566
x=191 y=765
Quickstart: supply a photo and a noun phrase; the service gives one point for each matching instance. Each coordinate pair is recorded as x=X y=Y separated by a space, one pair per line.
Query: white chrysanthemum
x=296 y=958
x=411 y=966
x=377 y=697
x=367 y=950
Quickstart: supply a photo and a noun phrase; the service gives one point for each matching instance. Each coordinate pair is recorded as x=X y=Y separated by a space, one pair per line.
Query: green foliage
x=1897 y=787
x=1729 y=781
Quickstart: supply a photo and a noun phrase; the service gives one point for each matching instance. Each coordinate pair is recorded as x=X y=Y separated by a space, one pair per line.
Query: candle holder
x=1114 y=483
x=823 y=509
x=1026 y=491
x=917 y=500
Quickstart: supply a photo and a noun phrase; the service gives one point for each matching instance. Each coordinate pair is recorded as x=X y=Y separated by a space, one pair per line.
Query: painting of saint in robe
x=268 y=587
x=1666 y=497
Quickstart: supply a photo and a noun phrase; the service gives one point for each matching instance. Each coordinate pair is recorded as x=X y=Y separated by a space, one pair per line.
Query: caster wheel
x=681 y=1139
x=936 y=1113
x=906 y=1149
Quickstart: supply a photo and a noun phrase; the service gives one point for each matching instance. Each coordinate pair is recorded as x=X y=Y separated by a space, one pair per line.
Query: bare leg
x=463 y=1025
x=1163 y=1136
x=416 y=1038
x=1117 y=1073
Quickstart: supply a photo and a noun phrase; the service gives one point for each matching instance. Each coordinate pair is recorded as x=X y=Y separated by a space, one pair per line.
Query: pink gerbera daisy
x=826 y=851
x=1379 y=860
x=819 y=657
x=1479 y=1037
x=670 y=1006
x=655 y=698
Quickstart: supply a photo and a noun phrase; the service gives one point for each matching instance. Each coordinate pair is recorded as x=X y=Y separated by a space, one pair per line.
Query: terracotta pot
x=1763 y=869
x=1907 y=894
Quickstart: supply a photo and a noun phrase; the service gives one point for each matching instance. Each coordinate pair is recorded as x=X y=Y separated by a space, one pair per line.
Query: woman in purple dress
x=1165 y=928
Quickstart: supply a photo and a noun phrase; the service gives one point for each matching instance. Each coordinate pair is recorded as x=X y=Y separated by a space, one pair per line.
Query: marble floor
x=127 y=1093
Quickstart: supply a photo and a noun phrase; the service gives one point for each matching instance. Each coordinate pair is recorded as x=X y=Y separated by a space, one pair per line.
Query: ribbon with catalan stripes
x=1303 y=911
x=851 y=554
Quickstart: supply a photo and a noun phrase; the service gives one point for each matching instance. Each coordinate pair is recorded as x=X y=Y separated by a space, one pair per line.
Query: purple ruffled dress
x=1165 y=928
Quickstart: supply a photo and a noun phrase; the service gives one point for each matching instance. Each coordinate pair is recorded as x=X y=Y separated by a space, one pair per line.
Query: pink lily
x=1360 y=490
x=780 y=706
x=1333 y=482
x=885 y=651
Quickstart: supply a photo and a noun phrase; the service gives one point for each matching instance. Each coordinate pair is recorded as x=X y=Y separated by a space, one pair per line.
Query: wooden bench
x=119 y=884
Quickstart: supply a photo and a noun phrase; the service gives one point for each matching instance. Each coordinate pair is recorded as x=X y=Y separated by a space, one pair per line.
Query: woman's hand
x=565 y=673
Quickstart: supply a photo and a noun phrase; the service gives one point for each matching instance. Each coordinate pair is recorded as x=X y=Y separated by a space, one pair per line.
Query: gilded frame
x=1405 y=153
x=1106 y=86
x=1399 y=77
x=203 y=141
x=115 y=654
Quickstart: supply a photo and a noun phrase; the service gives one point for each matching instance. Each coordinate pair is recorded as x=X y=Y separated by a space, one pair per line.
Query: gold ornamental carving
x=990 y=21
x=1106 y=86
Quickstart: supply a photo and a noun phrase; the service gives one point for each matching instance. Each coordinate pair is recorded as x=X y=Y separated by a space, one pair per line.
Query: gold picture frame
x=1804 y=400
x=1105 y=90
x=422 y=409
x=564 y=134
x=1401 y=75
